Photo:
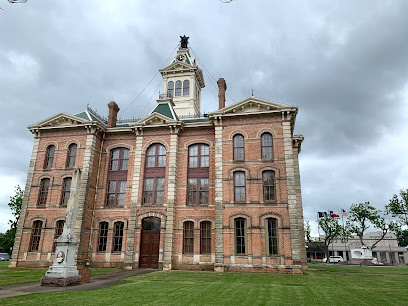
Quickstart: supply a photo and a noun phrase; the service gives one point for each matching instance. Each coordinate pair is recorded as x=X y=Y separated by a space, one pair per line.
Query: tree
x=308 y=232
x=399 y=207
x=7 y=239
x=402 y=236
x=362 y=216
x=333 y=231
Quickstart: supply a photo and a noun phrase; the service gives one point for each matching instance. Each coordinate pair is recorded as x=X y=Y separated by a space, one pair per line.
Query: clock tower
x=182 y=81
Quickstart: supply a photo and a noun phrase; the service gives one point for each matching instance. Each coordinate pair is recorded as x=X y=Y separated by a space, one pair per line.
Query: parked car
x=335 y=259
x=4 y=257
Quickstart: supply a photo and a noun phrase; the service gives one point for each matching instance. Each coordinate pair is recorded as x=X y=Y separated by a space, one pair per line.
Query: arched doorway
x=149 y=245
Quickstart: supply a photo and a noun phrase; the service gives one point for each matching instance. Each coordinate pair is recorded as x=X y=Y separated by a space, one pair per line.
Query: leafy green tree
x=7 y=239
x=333 y=231
x=362 y=216
x=402 y=236
x=398 y=207
x=15 y=205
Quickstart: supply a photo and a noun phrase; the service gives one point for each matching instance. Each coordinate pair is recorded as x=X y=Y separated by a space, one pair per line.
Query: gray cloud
x=342 y=62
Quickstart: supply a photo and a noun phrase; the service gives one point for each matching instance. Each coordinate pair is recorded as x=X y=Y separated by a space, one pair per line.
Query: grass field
x=24 y=275
x=327 y=285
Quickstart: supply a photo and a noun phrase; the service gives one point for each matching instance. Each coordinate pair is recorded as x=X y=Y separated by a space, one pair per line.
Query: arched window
x=44 y=186
x=186 y=88
x=72 y=149
x=119 y=159
x=156 y=156
x=118 y=236
x=268 y=178
x=103 y=236
x=178 y=88
x=267 y=148
x=49 y=157
x=117 y=177
x=66 y=190
x=205 y=237
x=59 y=228
x=188 y=237
x=170 y=89
x=198 y=173
x=36 y=235
x=240 y=230
x=239 y=147
x=271 y=226
x=239 y=186
x=153 y=190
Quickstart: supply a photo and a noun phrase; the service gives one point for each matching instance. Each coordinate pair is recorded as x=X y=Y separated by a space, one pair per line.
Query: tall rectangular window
x=49 y=157
x=239 y=186
x=268 y=178
x=198 y=172
x=205 y=237
x=72 y=149
x=59 y=228
x=272 y=236
x=266 y=146
x=66 y=190
x=240 y=236
x=238 y=147
x=36 y=236
x=116 y=193
x=45 y=184
x=188 y=237
x=178 y=88
x=103 y=236
x=118 y=236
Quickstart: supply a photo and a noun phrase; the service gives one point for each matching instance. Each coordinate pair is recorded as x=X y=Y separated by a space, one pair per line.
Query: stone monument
x=63 y=271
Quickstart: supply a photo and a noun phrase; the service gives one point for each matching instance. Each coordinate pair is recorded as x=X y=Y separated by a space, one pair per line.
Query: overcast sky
x=344 y=63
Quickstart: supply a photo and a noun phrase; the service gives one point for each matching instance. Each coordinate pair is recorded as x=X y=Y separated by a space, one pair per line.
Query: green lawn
x=24 y=275
x=329 y=285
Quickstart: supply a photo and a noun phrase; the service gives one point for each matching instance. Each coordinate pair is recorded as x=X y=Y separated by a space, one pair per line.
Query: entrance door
x=149 y=245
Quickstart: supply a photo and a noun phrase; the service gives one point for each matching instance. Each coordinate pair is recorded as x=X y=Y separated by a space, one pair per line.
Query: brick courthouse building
x=173 y=190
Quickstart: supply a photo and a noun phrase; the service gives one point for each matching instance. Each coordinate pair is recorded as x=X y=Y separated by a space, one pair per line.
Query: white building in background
x=386 y=251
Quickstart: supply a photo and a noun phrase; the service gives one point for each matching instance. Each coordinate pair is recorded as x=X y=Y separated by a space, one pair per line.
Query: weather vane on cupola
x=184 y=42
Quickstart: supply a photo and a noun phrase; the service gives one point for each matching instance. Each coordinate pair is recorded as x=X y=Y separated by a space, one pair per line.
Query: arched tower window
x=153 y=189
x=170 y=89
x=178 y=88
x=186 y=87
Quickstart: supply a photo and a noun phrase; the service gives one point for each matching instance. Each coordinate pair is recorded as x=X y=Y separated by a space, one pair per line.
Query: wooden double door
x=149 y=243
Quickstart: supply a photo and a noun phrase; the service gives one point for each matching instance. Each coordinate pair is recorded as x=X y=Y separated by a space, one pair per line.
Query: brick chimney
x=222 y=87
x=113 y=113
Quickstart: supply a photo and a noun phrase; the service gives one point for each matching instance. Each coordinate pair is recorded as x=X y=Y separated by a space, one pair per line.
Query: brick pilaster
x=86 y=175
x=171 y=199
x=129 y=260
x=219 y=241
x=292 y=192
x=19 y=232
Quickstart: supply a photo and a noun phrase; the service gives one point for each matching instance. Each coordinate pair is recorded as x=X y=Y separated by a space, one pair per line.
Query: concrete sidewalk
x=97 y=282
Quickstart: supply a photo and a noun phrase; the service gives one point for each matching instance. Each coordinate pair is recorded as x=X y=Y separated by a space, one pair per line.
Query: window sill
x=41 y=206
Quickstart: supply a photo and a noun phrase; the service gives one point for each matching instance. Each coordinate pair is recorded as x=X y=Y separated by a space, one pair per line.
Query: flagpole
x=344 y=238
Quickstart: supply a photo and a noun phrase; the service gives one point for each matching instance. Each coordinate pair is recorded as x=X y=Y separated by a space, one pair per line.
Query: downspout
x=88 y=255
